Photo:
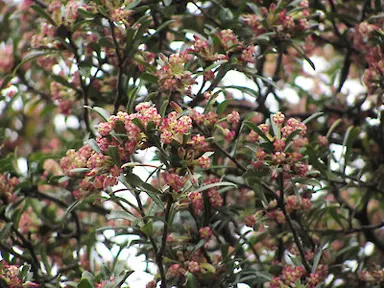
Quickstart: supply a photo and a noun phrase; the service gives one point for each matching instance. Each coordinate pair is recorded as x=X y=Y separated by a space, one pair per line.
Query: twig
x=348 y=231
x=293 y=230
x=84 y=87
x=120 y=60
x=159 y=255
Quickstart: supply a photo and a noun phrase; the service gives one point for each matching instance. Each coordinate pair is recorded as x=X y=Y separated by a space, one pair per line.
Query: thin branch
x=160 y=254
x=293 y=230
x=209 y=17
x=120 y=60
x=84 y=87
x=348 y=231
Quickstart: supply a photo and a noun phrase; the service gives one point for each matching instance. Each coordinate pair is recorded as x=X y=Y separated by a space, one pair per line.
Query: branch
x=120 y=60
x=159 y=255
x=348 y=231
x=293 y=230
x=84 y=87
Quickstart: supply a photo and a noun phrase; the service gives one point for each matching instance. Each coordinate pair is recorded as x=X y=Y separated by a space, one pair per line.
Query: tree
x=224 y=142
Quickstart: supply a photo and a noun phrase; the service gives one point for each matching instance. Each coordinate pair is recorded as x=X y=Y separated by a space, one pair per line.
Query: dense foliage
x=216 y=142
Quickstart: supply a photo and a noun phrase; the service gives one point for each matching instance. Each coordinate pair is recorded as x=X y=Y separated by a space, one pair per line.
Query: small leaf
x=85 y=283
x=148 y=228
x=154 y=197
x=149 y=78
x=4 y=233
x=257 y=130
x=333 y=127
x=138 y=123
x=79 y=170
x=304 y=56
x=102 y=112
x=69 y=210
x=313 y=116
x=243 y=89
x=30 y=56
x=191 y=280
x=6 y=80
x=222 y=106
x=290 y=138
x=113 y=153
x=209 y=186
x=163 y=108
x=120 y=214
x=349 y=138
x=92 y=142
x=163 y=25
x=62 y=81
x=275 y=128
x=316 y=259
x=105 y=42
x=43 y=14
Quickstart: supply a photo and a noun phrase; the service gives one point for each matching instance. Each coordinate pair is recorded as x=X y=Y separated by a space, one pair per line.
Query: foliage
x=125 y=128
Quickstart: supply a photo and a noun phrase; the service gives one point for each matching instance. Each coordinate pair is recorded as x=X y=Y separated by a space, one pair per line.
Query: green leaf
x=62 y=81
x=222 y=106
x=4 y=233
x=44 y=258
x=105 y=42
x=120 y=214
x=257 y=130
x=113 y=153
x=214 y=65
x=154 y=196
x=92 y=142
x=132 y=180
x=85 y=13
x=85 y=283
x=316 y=259
x=243 y=89
x=30 y=56
x=191 y=280
x=102 y=112
x=333 y=127
x=149 y=78
x=275 y=128
x=350 y=137
x=79 y=170
x=289 y=139
x=6 y=80
x=132 y=94
x=313 y=116
x=43 y=14
x=163 y=108
x=167 y=2
x=314 y=160
x=307 y=181
x=148 y=228
x=163 y=25
x=69 y=210
x=304 y=56
x=138 y=123
x=209 y=186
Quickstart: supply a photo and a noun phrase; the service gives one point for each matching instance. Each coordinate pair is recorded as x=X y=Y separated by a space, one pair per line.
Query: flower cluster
x=6 y=59
x=10 y=274
x=119 y=138
x=7 y=188
x=285 y=23
x=64 y=96
x=281 y=153
x=173 y=75
x=365 y=40
x=374 y=276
